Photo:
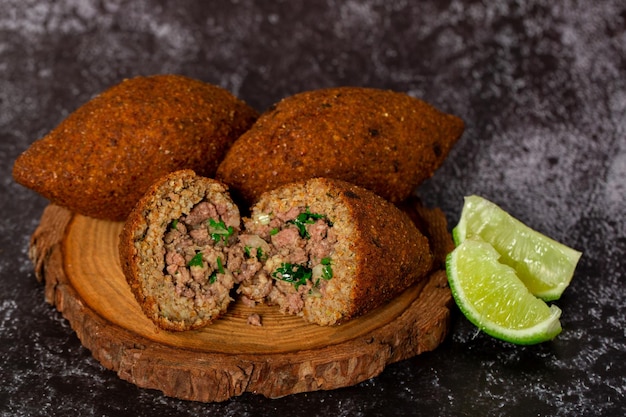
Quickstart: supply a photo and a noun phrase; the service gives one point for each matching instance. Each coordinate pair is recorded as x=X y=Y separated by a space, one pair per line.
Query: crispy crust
x=142 y=252
x=379 y=252
x=391 y=253
x=382 y=140
x=104 y=156
x=433 y=224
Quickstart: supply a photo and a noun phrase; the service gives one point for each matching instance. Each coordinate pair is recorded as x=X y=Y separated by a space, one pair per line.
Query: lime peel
x=544 y=265
x=493 y=298
x=502 y=272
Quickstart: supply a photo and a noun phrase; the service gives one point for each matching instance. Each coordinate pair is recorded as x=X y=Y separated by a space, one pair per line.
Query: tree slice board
x=77 y=257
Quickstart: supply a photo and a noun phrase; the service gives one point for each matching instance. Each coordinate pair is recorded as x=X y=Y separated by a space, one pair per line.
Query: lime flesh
x=494 y=299
x=544 y=265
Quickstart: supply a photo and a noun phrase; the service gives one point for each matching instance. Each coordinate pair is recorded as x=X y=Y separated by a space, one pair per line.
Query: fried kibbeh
x=432 y=223
x=174 y=250
x=103 y=157
x=385 y=141
x=330 y=251
x=323 y=249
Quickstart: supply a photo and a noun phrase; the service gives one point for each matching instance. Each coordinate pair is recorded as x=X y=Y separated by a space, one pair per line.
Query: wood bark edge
x=186 y=374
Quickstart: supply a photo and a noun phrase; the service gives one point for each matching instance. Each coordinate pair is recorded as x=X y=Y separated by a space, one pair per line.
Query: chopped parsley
x=274 y=231
x=196 y=260
x=296 y=274
x=220 y=269
x=307 y=218
x=219 y=231
x=327 y=274
x=327 y=270
x=259 y=253
x=174 y=224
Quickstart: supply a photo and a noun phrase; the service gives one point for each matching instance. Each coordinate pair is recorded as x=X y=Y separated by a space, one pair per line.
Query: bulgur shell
x=142 y=250
x=379 y=252
x=386 y=141
x=104 y=156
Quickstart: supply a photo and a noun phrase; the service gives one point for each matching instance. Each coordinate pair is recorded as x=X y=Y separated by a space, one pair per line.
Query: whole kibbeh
x=385 y=141
x=104 y=156
x=174 y=250
x=329 y=251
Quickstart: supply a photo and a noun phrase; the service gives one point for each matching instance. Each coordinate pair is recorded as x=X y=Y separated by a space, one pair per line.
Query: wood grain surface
x=77 y=258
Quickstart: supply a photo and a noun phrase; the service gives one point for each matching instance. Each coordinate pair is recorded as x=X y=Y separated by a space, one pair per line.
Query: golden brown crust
x=433 y=224
x=382 y=140
x=391 y=252
x=104 y=156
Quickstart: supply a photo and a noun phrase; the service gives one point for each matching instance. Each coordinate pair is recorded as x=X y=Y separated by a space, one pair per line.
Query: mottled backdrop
x=541 y=86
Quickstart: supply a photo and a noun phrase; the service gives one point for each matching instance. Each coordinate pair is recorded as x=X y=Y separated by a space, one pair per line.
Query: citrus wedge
x=494 y=299
x=544 y=265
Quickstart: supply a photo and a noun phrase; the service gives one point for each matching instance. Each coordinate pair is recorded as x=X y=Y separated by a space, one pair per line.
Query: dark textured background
x=541 y=86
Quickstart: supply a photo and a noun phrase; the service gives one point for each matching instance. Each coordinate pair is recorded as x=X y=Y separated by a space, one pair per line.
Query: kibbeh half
x=174 y=250
x=331 y=251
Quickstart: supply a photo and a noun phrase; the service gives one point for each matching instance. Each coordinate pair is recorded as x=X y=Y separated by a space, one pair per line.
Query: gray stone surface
x=540 y=84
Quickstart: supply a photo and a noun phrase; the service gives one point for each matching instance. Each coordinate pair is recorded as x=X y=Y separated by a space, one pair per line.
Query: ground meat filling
x=197 y=253
x=297 y=259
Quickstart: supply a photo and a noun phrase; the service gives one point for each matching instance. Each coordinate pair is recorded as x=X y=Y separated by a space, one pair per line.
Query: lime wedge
x=494 y=299
x=544 y=265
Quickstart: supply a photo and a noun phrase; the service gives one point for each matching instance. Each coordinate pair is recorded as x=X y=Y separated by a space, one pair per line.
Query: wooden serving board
x=77 y=258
